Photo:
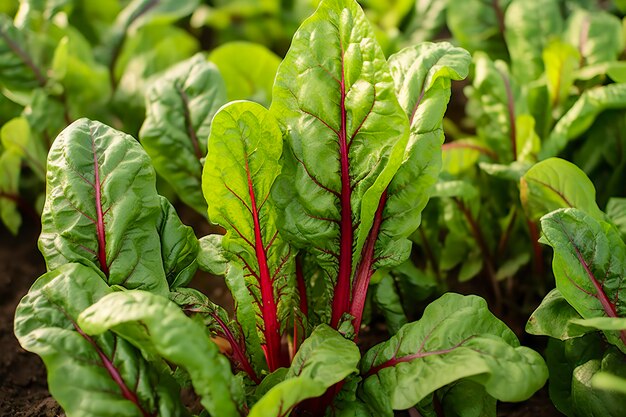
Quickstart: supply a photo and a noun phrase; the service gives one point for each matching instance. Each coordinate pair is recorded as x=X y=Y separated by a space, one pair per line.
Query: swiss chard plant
x=584 y=314
x=315 y=194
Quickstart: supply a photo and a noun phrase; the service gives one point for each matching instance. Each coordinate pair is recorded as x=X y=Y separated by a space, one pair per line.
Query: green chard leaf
x=248 y=70
x=10 y=173
x=388 y=301
x=581 y=116
x=556 y=183
x=561 y=60
x=220 y=327
x=596 y=34
x=554 y=318
x=427 y=19
x=102 y=208
x=324 y=359
x=157 y=325
x=19 y=71
x=136 y=14
x=242 y=164
x=90 y=376
x=495 y=102
x=211 y=255
x=346 y=135
x=530 y=26
x=456 y=338
x=589 y=265
x=180 y=106
x=16 y=136
x=422 y=76
x=616 y=211
x=179 y=246
x=480 y=26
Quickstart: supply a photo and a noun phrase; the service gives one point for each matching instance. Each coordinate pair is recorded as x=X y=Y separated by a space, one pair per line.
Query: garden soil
x=23 y=386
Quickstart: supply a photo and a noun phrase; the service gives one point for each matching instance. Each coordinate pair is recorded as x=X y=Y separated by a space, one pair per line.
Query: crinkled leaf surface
x=99 y=376
x=589 y=265
x=616 y=211
x=161 y=327
x=346 y=135
x=180 y=106
x=456 y=338
x=102 y=208
x=324 y=359
x=242 y=164
x=422 y=76
x=556 y=183
x=248 y=70
x=211 y=255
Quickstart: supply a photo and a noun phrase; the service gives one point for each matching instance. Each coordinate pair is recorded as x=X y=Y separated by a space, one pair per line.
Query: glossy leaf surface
x=157 y=325
x=589 y=265
x=89 y=376
x=102 y=209
x=180 y=106
x=456 y=338
x=346 y=134
x=242 y=164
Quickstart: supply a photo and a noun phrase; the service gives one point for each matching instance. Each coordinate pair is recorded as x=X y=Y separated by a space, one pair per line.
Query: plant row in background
x=321 y=197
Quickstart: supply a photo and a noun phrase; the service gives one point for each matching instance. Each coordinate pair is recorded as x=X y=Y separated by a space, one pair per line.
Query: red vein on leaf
x=554 y=190
x=417 y=355
x=607 y=305
x=102 y=257
x=114 y=373
x=268 y=304
x=341 y=300
x=315 y=180
x=238 y=198
x=238 y=354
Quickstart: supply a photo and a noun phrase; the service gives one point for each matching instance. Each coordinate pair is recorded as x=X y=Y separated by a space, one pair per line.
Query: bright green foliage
x=180 y=106
x=242 y=164
x=556 y=183
x=437 y=350
x=597 y=35
x=19 y=72
x=103 y=211
x=589 y=265
x=480 y=26
x=530 y=27
x=90 y=376
x=152 y=322
x=333 y=68
x=316 y=196
x=324 y=359
x=422 y=77
x=582 y=114
x=248 y=70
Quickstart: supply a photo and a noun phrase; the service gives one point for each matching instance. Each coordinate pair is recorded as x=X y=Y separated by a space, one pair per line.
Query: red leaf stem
x=341 y=300
x=268 y=304
x=238 y=354
x=97 y=185
x=114 y=374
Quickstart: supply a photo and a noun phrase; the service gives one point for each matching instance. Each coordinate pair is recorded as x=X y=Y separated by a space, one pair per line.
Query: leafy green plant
x=315 y=194
x=584 y=313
